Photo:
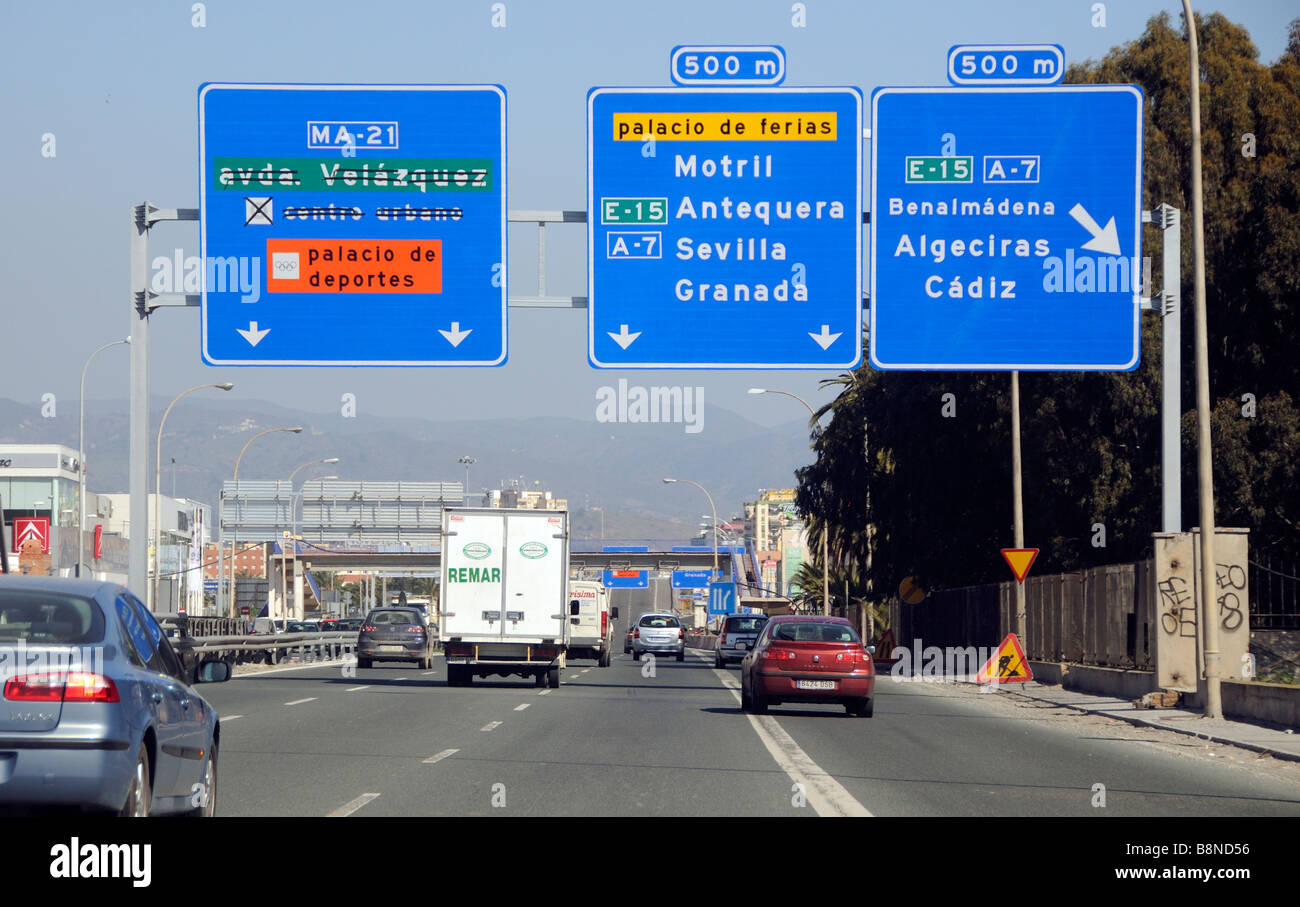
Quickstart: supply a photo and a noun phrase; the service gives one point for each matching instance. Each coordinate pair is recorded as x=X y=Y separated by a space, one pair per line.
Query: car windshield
x=44 y=617
x=393 y=618
x=814 y=631
x=659 y=620
x=745 y=624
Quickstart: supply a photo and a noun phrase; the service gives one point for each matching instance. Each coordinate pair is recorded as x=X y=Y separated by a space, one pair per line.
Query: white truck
x=504 y=580
x=591 y=622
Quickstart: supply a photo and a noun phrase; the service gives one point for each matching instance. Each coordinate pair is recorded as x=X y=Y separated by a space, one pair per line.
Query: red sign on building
x=27 y=528
x=99 y=542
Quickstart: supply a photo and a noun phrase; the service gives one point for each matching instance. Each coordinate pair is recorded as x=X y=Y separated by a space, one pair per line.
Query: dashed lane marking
x=438 y=757
x=522 y=706
x=308 y=699
x=351 y=806
x=491 y=725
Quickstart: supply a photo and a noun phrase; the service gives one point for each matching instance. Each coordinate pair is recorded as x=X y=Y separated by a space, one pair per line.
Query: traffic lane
x=936 y=750
x=345 y=739
x=612 y=742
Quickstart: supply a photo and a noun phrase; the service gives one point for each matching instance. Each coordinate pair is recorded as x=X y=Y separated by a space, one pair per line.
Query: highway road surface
x=393 y=740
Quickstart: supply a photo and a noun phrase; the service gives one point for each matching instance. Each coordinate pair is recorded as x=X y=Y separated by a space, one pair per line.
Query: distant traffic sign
x=722 y=598
x=691 y=579
x=1005 y=227
x=626 y=579
x=715 y=64
x=353 y=225
x=724 y=228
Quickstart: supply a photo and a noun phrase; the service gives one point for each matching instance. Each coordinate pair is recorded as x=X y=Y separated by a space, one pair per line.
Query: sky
x=116 y=86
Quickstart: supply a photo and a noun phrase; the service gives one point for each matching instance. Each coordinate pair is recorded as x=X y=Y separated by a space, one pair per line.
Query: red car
x=808 y=659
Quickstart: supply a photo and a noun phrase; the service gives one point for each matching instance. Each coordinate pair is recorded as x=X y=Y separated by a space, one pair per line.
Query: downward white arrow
x=623 y=338
x=1105 y=241
x=253 y=335
x=455 y=335
x=825 y=338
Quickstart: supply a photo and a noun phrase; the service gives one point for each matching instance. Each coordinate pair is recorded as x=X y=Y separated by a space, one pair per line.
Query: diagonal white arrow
x=825 y=338
x=253 y=335
x=1104 y=240
x=455 y=335
x=623 y=338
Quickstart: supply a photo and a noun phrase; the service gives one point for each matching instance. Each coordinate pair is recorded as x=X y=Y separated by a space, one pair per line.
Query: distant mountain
x=615 y=466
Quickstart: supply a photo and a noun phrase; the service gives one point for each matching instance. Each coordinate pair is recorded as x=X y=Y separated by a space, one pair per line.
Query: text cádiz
x=759 y=167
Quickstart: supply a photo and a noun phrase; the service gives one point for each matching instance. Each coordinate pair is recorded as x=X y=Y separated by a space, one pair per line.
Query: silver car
x=95 y=711
x=737 y=637
x=659 y=632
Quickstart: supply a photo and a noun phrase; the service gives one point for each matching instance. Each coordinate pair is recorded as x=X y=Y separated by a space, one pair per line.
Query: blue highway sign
x=722 y=598
x=1006 y=228
x=691 y=579
x=353 y=224
x=724 y=228
x=626 y=579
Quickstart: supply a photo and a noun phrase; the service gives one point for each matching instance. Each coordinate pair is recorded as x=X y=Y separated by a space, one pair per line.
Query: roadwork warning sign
x=1008 y=664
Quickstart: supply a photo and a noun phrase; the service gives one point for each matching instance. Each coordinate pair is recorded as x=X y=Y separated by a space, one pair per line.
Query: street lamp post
x=716 y=575
x=157 y=489
x=81 y=459
x=220 y=548
x=826 y=569
x=467 y=462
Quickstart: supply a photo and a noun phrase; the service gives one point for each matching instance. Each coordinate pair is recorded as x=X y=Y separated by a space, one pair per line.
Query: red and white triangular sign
x=1008 y=664
x=1019 y=560
x=27 y=528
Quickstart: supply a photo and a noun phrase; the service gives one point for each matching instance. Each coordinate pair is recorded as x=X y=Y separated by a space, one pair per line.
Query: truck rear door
x=472 y=576
x=537 y=573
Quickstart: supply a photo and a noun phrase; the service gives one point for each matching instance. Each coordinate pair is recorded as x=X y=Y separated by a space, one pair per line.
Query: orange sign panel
x=354 y=265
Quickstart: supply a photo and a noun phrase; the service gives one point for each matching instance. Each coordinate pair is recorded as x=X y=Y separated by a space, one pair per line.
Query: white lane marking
x=354 y=689
x=491 y=725
x=521 y=707
x=543 y=692
x=321 y=663
x=826 y=795
x=438 y=757
x=428 y=672
x=229 y=717
x=351 y=806
x=308 y=699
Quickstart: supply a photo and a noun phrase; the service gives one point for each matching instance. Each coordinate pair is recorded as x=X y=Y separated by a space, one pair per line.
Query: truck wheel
x=604 y=658
x=553 y=678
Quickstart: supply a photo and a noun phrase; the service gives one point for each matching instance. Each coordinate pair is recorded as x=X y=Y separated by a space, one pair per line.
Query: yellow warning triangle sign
x=1019 y=560
x=1008 y=664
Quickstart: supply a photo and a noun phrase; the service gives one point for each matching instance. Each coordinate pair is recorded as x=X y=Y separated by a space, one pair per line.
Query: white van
x=590 y=621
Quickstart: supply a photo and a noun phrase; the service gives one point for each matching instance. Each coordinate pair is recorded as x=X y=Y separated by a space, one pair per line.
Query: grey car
x=661 y=633
x=96 y=713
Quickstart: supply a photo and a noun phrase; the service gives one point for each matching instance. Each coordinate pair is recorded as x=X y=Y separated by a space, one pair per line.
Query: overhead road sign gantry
x=1006 y=227
x=353 y=224
x=725 y=227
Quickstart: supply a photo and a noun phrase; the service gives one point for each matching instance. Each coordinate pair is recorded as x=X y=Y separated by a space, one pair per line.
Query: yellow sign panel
x=1019 y=560
x=1008 y=664
x=747 y=126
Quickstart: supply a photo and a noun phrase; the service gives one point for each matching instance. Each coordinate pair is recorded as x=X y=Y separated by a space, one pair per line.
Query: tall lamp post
x=716 y=575
x=81 y=459
x=826 y=568
x=157 y=489
x=467 y=462
x=221 y=557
